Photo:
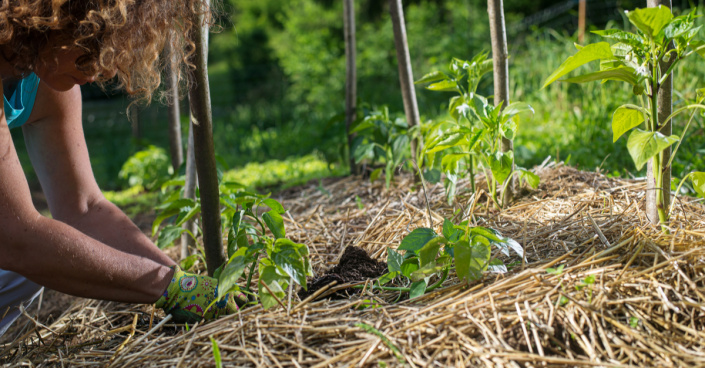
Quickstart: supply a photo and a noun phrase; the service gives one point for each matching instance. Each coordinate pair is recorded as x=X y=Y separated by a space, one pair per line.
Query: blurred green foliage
x=278 y=73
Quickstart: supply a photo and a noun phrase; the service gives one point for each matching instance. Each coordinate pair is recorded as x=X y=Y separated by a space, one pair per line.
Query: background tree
x=350 y=77
x=406 y=76
x=174 y=127
x=500 y=56
x=188 y=244
x=665 y=108
x=201 y=116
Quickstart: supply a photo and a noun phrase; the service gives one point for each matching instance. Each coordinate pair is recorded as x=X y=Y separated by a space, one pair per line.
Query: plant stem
x=438 y=283
x=471 y=173
x=678 y=190
x=673 y=154
x=252 y=271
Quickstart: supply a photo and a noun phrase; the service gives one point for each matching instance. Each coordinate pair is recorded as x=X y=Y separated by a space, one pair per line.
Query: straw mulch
x=645 y=308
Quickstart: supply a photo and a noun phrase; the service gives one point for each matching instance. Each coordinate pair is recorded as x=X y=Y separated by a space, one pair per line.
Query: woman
x=90 y=248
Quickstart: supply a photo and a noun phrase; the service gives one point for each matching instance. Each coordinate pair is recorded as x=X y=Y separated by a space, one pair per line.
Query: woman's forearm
x=106 y=223
x=56 y=255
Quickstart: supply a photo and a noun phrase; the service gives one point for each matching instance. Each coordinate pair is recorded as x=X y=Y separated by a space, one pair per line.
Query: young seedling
x=475 y=133
x=257 y=241
x=381 y=139
x=636 y=58
x=427 y=254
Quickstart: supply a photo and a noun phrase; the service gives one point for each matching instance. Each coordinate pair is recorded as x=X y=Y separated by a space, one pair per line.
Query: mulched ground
x=644 y=307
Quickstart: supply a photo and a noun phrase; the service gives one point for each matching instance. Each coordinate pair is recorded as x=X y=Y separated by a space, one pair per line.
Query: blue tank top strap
x=19 y=105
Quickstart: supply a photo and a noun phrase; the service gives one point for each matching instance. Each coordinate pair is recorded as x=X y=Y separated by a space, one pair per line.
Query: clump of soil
x=355 y=265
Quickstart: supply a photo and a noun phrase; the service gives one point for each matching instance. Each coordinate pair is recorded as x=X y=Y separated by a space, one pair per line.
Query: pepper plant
x=256 y=242
x=381 y=139
x=474 y=133
x=424 y=254
x=634 y=58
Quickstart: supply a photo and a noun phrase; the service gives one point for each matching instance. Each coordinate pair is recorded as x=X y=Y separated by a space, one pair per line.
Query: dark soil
x=354 y=266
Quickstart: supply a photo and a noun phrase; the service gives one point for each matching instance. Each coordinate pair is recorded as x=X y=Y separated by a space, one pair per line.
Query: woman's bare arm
x=51 y=252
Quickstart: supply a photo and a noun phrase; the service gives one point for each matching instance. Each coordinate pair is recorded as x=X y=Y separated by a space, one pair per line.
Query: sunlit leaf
x=417 y=239
x=650 y=20
x=644 y=145
x=275 y=223
x=394 y=260
x=591 y=52
x=698 y=179
x=418 y=288
x=624 y=119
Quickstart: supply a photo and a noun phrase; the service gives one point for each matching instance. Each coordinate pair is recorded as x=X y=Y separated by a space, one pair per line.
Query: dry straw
x=628 y=294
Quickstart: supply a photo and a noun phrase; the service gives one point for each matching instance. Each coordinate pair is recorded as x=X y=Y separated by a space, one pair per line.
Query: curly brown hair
x=123 y=36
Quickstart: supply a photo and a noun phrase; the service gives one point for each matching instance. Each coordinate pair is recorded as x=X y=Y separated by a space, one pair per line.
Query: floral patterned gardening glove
x=188 y=296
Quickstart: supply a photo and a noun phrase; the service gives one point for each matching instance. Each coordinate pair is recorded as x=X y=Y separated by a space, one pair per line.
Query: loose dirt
x=355 y=266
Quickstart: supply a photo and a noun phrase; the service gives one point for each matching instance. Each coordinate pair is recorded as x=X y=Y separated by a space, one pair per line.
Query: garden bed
x=626 y=295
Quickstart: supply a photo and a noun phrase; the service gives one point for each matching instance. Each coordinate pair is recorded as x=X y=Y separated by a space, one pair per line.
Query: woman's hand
x=190 y=297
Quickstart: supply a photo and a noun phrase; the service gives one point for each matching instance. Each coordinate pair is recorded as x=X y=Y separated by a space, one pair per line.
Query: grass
x=269 y=175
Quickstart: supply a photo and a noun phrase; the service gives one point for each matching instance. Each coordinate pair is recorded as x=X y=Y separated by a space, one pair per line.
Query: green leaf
x=518 y=108
x=231 y=273
x=170 y=209
x=375 y=174
x=269 y=276
x=677 y=28
x=432 y=77
x=448 y=140
x=234 y=232
x=409 y=266
x=591 y=52
x=417 y=239
x=698 y=46
x=188 y=262
x=429 y=269
x=432 y=176
x=400 y=147
x=496 y=266
x=388 y=277
x=388 y=173
x=698 y=179
x=275 y=223
x=622 y=73
x=644 y=145
x=444 y=85
x=187 y=215
x=364 y=151
x=624 y=119
x=633 y=322
x=650 y=20
x=501 y=165
x=471 y=261
x=429 y=252
x=274 y=205
x=291 y=258
x=450 y=162
x=532 y=179
x=216 y=353
x=394 y=260
x=555 y=271
x=448 y=228
x=490 y=234
x=418 y=288
x=168 y=235
x=514 y=245
x=628 y=38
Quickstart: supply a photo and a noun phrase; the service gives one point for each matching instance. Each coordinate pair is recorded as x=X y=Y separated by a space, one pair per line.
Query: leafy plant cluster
x=472 y=138
x=256 y=241
x=424 y=255
x=644 y=60
x=148 y=168
x=381 y=139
